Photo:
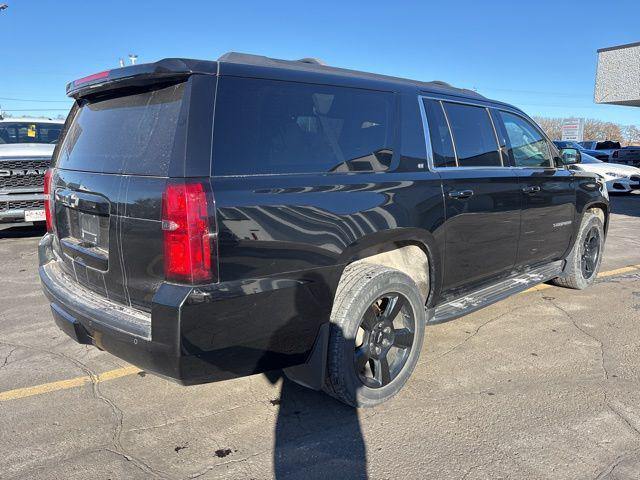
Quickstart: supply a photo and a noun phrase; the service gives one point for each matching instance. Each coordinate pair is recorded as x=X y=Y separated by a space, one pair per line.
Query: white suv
x=26 y=147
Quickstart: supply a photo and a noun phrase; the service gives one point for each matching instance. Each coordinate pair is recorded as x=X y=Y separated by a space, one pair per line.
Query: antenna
x=133 y=58
x=121 y=62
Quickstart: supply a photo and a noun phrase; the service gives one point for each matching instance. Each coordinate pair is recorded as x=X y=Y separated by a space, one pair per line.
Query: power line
x=33 y=100
x=535 y=92
x=36 y=110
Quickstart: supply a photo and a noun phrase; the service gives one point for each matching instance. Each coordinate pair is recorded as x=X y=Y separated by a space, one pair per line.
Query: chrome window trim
x=429 y=146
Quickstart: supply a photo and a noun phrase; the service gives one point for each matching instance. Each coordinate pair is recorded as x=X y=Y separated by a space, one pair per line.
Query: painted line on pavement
x=131 y=370
x=66 y=384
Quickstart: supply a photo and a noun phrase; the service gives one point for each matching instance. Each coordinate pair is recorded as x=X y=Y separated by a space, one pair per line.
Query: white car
x=619 y=178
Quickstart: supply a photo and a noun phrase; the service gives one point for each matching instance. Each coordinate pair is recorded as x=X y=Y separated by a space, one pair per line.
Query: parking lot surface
x=542 y=385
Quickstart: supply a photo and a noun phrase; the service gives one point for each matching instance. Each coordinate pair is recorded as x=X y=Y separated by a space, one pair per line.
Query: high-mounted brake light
x=187 y=237
x=48 y=204
x=90 y=78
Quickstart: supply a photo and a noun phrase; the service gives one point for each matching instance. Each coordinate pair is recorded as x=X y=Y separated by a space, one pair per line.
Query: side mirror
x=570 y=156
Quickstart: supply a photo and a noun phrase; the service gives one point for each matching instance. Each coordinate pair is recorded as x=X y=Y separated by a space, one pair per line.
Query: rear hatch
x=120 y=146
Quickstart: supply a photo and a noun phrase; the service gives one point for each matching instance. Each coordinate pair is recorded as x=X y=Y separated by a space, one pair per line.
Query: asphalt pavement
x=542 y=385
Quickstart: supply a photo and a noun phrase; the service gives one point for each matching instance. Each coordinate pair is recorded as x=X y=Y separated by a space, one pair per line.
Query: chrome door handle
x=531 y=189
x=461 y=194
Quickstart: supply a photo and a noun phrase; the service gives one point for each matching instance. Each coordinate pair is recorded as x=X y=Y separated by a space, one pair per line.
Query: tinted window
x=441 y=144
x=133 y=134
x=608 y=145
x=473 y=134
x=29 y=132
x=527 y=147
x=268 y=127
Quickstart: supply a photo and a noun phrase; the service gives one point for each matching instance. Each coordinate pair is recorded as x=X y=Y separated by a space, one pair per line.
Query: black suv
x=209 y=220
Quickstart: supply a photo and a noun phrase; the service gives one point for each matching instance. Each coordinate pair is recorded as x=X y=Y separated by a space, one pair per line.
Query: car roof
x=244 y=64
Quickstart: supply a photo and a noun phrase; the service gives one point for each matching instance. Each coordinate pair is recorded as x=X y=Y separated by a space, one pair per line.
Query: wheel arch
x=601 y=209
x=392 y=248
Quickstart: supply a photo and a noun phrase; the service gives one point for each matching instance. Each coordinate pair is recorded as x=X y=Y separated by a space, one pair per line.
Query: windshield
x=566 y=144
x=29 y=132
x=589 y=159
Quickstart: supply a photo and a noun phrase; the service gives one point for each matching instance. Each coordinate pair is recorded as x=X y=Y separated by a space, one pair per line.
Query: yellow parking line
x=126 y=371
x=619 y=271
x=610 y=273
x=66 y=384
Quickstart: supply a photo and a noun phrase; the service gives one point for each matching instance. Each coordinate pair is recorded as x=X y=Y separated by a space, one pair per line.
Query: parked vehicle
x=618 y=178
x=328 y=219
x=627 y=156
x=26 y=146
x=600 y=150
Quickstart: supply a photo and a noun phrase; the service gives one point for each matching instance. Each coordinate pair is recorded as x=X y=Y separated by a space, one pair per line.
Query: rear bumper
x=193 y=335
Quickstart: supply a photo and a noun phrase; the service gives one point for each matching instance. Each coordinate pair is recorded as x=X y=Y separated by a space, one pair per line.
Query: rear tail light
x=48 y=197
x=188 y=239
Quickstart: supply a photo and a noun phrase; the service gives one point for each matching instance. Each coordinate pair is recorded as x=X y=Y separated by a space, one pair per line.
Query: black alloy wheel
x=590 y=253
x=384 y=340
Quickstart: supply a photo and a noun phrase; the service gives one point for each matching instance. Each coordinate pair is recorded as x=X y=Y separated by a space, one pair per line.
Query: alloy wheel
x=384 y=340
x=590 y=253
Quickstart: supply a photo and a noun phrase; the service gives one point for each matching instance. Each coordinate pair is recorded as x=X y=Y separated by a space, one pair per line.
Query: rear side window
x=527 y=147
x=473 y=135
x=132 y=134
x=275 y=127
x=441 y=144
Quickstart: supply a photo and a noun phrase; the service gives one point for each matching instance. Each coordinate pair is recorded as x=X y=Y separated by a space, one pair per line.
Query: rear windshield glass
x=277 y=127
x=29 y=132
x=132 y=134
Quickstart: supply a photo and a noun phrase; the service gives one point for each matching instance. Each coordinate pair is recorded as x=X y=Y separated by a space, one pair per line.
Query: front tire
x=583 y=262
x=377 y=329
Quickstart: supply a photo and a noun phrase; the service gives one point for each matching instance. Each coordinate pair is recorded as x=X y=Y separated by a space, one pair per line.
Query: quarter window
x=276 y=127
x=527 y=147
x=441 y=144
x=473 y=135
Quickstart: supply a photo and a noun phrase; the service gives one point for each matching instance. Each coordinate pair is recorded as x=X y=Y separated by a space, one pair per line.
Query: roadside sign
x=573 y=129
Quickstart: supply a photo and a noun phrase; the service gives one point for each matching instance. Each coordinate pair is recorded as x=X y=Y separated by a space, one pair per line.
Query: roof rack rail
x=239 y=57
x=312 y=60
x=441 y=83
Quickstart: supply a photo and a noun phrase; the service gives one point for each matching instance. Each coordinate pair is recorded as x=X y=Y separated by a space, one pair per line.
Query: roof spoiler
x=167 y=70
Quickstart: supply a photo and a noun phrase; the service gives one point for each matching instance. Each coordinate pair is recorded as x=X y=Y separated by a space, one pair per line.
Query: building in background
x=618 y=75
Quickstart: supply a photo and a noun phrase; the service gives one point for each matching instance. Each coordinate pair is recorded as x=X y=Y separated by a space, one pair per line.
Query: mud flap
x=312 y=373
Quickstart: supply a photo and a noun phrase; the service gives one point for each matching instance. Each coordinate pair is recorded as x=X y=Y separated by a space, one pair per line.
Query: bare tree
x=551 y=126
x=593 y=130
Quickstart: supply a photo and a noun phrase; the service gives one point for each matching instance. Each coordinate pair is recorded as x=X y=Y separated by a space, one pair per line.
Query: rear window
x=607 y=145
x=276 y=127
x=131 y=134
x=29 y=132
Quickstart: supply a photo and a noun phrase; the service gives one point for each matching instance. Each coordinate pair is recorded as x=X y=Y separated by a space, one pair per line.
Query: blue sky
x=538 y=55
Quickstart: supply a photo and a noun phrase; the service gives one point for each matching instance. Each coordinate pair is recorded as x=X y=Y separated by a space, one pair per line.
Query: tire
x=574 y=275
x=368 y=297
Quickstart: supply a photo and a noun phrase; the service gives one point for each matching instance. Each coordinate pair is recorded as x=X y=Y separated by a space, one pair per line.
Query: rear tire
x=377 y=329
x=583 y=262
